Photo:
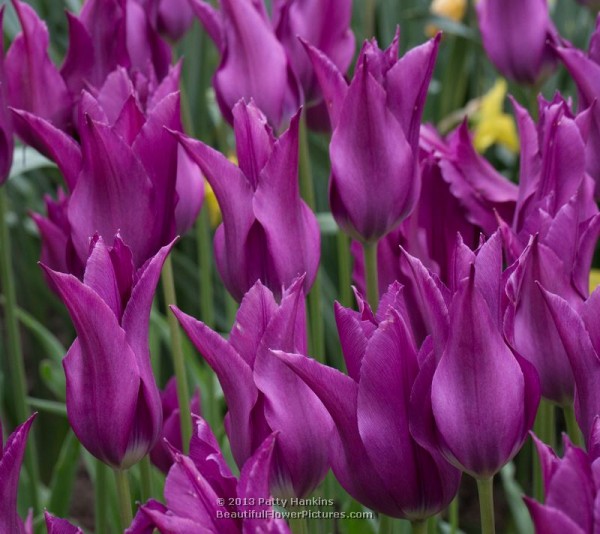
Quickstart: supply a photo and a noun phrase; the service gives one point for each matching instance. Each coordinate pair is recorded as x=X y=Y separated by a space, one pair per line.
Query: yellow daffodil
x=451 y=9
x=492 y=124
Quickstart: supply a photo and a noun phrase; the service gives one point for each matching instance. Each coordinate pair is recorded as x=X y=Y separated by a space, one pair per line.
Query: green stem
x=370 y=18
x=371 y=276
x=298 y=525
x=183 y=395
x=15 y=361
x=453 y=511
x=419 y=527
x=485 y=488
x=101 y=495
x=124 y=496
x=572 y=426
x=315 y=316
x=146 y=478
x=205 y=267
x=344 y=269
x=545 y=429
x=386 y=524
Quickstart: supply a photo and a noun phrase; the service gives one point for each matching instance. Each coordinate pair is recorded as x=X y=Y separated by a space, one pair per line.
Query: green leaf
x=44 y=405
x=63 y=477
x=27 y=159
x=514 y=498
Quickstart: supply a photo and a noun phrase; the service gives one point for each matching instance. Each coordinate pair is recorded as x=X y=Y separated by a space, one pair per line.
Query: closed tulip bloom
x=171 y=18
x=113 y=403
x=11 y=458
x=264 y=396
x=475 y=398
x=527 y=313
x=268 y=232
x=201 y=486
x=515 y=35
x=254 y=64
x=572 y=502
x=161 y=455
x=373 y=455
x=578 y=331
x=374 y=182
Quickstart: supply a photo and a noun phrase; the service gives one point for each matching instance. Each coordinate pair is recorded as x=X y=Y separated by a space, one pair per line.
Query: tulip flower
x=323 y=24
x=11 y=458
x=33 y=82
x=119 y=181
x=578 y=331
x=475 y=398
x=254 y=64
x=515 y=35
x=262 y=394
x=202 y=495
x=376 y=121
x=161 y=455
x=571 y=490
x=113 y=404
x=461 y=193
x=268 y=232
x=556 y=196
x=56 y=525
x=373 y=455
x=585 y=70
x=172 y=18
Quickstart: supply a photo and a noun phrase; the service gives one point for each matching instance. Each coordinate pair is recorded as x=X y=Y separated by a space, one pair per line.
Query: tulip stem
x=370 y=252
x=370 y=19
x=298 y=525
x=146 y=478
x=344 y=269
x=124 y=495
x=15 y=362
x=545 y=429
x=485 y=488
x=419 y=527
x=183 y=394
x=453 y=511
x=100 y=492
x=205 y=267
x=572 y=426
x=317 y=335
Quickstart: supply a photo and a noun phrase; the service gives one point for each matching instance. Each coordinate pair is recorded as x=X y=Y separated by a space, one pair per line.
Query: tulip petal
x=550 y=520
x=210 y=19
x=79 y=61
x=55 y=525
x=235 y=377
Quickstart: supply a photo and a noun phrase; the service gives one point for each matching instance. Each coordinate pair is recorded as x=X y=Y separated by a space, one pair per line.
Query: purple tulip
x=556 y=196
x=461 y=193
x=33 y=82
x=113 y=403
x=475 y=398
x=7 y=142
x=585 y=70
x=11 y=458
x=262 y=394
x=268 y=231
x=515 y=35
x=527 y=317
x=254 y=64
x=172 y=18
x=119 y=181
x=161 y=456
x=373 y=454
x=56 y=525
x=572 y=502
x=201 y=492
x=323 y=24
x=374 y=181
x=579 y=333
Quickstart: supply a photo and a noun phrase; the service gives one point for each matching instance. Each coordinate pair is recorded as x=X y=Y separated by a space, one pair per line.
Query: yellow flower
x=492 y=124
x=594 y=279
x=451 y=9
x=210 y=200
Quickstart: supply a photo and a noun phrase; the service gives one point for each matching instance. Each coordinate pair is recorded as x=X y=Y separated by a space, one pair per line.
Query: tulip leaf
x=44 y=405
x=514 y=498
x=53 y=376
x=327 y=223
x=63 y=477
